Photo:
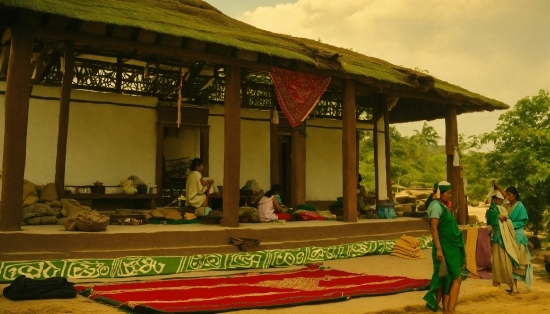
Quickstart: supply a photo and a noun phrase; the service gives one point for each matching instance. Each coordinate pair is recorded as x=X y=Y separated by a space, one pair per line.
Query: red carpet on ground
x=246 y=291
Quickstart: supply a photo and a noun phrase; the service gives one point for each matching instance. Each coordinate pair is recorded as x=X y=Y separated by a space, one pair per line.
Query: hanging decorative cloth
x=456 y=158
x=297 y=92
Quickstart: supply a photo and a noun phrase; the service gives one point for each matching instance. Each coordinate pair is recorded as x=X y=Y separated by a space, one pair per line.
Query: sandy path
x=476 y=296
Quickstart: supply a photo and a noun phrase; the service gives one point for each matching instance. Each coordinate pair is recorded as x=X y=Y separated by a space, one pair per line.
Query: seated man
x=196 y=188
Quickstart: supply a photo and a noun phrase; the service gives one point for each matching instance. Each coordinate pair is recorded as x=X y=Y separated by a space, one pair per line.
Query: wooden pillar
x=382 y=153
x=232 y=147
x=274 y=154
x=297 y=167
x=349 y=152
x=451 y=141
x=64 y=104
x=15 y=129
x=4 y=61
x=389 y=182
x=205 y=150
x=159 y=163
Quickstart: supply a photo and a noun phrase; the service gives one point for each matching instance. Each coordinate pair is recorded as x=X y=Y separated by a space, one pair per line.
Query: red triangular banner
x=297 y=92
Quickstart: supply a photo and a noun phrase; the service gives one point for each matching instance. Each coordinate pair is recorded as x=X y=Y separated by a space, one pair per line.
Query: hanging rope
x=179 y=98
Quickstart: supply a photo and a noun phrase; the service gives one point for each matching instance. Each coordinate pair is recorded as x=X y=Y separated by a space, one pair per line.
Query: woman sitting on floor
x=269 y=208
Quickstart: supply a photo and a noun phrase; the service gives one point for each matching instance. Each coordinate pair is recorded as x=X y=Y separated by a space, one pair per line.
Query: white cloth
x=266 y=210
x=194 y=190
x=508 y=235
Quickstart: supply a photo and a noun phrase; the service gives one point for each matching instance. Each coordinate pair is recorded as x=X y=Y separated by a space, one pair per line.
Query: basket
x=91 y=221
x=210 y=220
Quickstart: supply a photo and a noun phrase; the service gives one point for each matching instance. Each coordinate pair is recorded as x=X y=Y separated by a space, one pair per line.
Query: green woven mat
x=135 y=266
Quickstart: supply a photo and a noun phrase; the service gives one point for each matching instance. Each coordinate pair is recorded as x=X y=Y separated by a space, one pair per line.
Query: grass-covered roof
x=198 y=20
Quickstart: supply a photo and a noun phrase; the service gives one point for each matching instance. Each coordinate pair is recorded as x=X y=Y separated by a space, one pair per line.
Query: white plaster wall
x=106 y=141
x=323 y=160
x=255 y=148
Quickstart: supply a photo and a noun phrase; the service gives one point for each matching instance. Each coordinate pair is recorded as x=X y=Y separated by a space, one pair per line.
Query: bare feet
x=513 y=293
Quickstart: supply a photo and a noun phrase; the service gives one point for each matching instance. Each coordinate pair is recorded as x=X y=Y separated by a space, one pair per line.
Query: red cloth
x=283 y=216
x=297 y=92
x=245 y=291
x=309 y=216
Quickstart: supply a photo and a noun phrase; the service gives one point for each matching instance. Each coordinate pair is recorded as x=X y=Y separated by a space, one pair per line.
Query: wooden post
x=382 y=152
x=349 y=152
x=387 y=144
x=451 y=141
x=158 y=163
x=204 y=149
x=274 y=154
x=15 y=129
x=64 y=104
x=297 y=167
x=232 y=147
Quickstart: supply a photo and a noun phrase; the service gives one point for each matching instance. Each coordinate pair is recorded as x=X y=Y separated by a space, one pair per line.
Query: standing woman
x=518 y=215
x=196 y=186
x=447 y=252
x=503 y=244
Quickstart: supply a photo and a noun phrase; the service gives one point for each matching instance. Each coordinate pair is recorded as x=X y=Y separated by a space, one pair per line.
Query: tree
x=521 y=154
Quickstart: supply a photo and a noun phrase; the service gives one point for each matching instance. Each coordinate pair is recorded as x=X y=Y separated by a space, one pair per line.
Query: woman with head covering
x=518 y=215
x=503 y=244
x=448 y=254
x=269 y=208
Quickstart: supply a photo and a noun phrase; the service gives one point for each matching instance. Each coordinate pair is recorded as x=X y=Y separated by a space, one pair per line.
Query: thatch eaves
x=198 y=20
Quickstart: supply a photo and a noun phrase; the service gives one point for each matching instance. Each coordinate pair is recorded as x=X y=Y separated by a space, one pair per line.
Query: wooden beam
x=349 y=152
x=64 y=104
x=15 y=126
x=205 y=149
x=192 y=54
x=232 y=147
x=297 y=167
x=274 y=153
x=6 y=36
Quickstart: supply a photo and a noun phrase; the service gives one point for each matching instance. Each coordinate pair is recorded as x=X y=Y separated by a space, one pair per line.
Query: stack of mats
x=407 y=247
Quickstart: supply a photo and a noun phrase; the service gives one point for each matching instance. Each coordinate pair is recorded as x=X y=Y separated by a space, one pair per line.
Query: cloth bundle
x=407 y=247
x=23 y=288
x=87 y=221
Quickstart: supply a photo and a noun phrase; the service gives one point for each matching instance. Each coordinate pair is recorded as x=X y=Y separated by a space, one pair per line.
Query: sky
x=497 y=48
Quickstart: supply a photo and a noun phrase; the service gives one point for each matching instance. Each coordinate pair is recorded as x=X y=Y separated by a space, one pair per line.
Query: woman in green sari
x=448 y=254
x=518 y=215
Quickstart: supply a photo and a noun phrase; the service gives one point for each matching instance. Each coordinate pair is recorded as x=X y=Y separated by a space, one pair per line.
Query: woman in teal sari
x=518 y=215
x=447 y=252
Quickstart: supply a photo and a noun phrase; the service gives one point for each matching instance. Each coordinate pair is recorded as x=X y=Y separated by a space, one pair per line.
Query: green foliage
x=415 y=160
x=521 y=154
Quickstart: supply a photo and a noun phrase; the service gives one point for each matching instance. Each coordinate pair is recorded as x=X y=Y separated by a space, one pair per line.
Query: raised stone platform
x=53 y=242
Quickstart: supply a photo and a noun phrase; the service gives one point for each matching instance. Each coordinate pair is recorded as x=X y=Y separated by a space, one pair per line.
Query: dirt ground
x=476 y=295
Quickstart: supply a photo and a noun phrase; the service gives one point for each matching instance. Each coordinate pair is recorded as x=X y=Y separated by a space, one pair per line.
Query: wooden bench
x=116 y=201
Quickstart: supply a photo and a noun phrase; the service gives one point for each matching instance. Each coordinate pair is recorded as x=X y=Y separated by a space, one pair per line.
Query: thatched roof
x=198 y=20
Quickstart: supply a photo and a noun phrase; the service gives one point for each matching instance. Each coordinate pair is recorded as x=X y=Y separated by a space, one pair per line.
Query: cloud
x=500 y=49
